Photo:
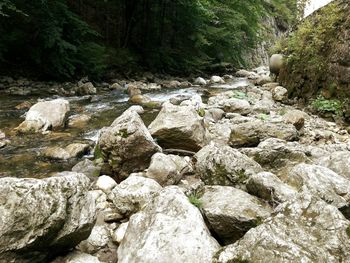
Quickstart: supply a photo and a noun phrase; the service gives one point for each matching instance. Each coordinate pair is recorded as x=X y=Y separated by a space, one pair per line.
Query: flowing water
x=22 y=157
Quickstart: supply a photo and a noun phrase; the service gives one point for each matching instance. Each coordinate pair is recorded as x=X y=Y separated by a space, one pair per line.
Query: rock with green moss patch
x=232 y=212
x=304 y=229
x=127 y=146
x=221 y=165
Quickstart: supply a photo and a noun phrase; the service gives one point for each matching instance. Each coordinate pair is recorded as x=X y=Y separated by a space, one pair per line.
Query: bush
x=323 y=105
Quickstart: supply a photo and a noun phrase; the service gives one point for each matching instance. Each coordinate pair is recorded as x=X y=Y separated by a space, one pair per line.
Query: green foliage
x=323 y=105
x=348 y=231
x=195 y=200
x=201 y=112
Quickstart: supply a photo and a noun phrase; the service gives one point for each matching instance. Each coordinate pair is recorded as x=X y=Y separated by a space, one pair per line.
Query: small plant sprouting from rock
x=348 y=231
x=323 y=105
x=239 y=95
x=195 y=200
x=201 y=112
x=123 y=133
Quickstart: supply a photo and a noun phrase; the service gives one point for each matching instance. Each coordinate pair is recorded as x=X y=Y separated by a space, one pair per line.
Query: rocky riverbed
x=224 y=169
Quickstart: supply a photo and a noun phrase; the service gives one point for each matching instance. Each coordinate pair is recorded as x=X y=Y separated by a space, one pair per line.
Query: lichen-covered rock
x=231 y=212
x=269 y=187
x=127 y=145
x=305 y=229
x=179 y=127
x=169 y=229
x=253 y=132
x=133 y=193
x=338 y=162
x=42 y=217
x=323 y=183
x=222 y=165
x=44 y=115
x=167 y=169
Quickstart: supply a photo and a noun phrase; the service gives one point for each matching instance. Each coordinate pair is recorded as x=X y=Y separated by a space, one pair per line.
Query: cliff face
x=318 y=54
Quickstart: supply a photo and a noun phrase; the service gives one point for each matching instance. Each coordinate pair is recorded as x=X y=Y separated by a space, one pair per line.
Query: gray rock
x=296 y=117
x=270 y=188
x=78 y=121
x=167 y=169
x=222 y=165
x=179 y=127
x=200 y=81
x=217 y=79
x=253 y=132
x=42 y=217
x=338 y=162
x=214 y=114
x=133 y=193
x=88 y=168
x=323 y=183
x=77 y=257
x=237 y=105
x=232 y=212
x=127 y=145
x=169 y=229
x=74 y=150
x=280 y=93
x=305 y=229
x=86 y=89
x=105 y=183
x=44 y=115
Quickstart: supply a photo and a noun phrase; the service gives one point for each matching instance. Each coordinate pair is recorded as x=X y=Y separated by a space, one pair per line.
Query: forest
x=65 y=39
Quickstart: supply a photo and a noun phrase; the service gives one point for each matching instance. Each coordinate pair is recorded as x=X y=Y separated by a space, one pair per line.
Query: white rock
x=217 y=79
x=105 y=183
x=200 y=81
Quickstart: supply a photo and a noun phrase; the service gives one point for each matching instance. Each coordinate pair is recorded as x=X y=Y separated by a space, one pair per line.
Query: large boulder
x=44 y=115
x=338 y=162
x=305 y=229
x=222 y=165
x=276 y=63
x=133 y=193
x=179 y=127
x=169 y=229
x=253 y=132
x=127 y=145
x=42 y=217
x=269 y=187
x=324 y=183
x=231 y=212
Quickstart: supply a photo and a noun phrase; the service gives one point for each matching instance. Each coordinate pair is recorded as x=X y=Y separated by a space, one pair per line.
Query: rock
x=88 y=168
x=270 y=86
x=86 y=89
x=120 y=232
x=179 y=127
x=78 y=121
x=280 y=93
x=237 y=105
x=195 y=101
x=23 y=105
x=74 y=150
x=232 y=212
x=323 y=183
x=217 y=79
x=179 y=98
x=77 y=257
x=214 y=114
x=166 y=169
x=296 y=117
x=133 y=193
x=97 y=240
x=127 y=145
x=140 y=99
x=253 y=132
x=222 y=165
x=263 y=80
x=246 y=74
x=200 y=81
x=305 y=229
x=173 y=84
x=44 y=115
x=276 y=63
x=270 y=188
x=105 y=183
x=133 y=90
x=191 y=185
x=42 y=217
x=169 y=229
x=137 y=108
x=274 y=154
x=115 y=86
x=338 y=162
x=3 y=140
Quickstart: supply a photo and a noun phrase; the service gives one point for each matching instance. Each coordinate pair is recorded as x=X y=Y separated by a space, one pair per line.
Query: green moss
x=195 y=200
x=201 y=112
x=152 y=105
x=348 y=231
x=98 y=152
x=123 y=133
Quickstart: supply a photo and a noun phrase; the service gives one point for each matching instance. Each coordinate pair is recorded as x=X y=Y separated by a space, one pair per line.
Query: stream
x=22 y=157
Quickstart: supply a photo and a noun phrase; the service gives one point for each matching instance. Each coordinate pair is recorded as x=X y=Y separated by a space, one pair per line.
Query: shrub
x=323 y=105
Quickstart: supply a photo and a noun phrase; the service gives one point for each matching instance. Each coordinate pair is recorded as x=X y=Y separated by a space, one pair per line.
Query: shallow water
x=22 y=157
